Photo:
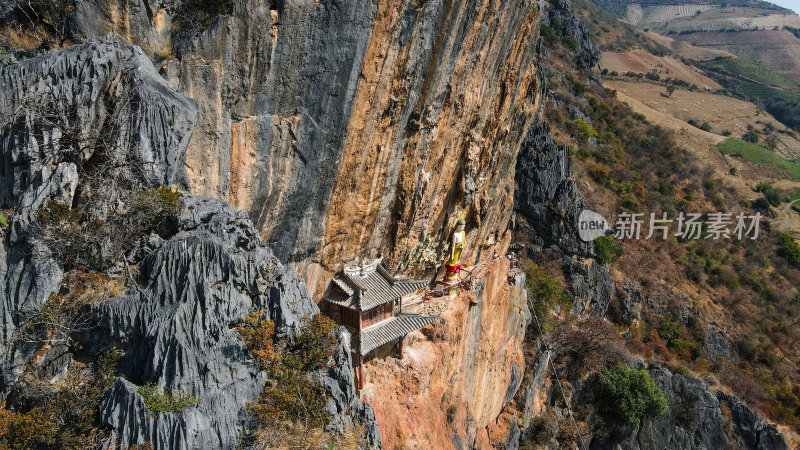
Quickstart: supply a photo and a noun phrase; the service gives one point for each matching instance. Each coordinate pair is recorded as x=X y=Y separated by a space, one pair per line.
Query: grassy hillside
x=757 y=154
x=743 y=68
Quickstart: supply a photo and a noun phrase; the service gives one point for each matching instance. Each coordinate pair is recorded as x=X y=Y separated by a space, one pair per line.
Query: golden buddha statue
x=453 y=265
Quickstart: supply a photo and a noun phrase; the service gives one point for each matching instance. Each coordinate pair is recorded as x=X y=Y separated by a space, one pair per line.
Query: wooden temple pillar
x=401 y=347
x=360 y=372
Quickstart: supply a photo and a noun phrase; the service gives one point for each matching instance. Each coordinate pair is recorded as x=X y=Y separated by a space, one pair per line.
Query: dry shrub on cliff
x=67 y=313
x=14 y=36
x=587 y=343
x=78 y=238
x=289 y=435
x=284 y=435
x=197 y=15
x=544 y=428
x=569 y=435
x=64 y=415
x=258 y=335
x=36 y=22
x=291 y=407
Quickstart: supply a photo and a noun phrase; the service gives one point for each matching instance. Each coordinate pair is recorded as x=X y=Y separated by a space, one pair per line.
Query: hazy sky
x=791 y=4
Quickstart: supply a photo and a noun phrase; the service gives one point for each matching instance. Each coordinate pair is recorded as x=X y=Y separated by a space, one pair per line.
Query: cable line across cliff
x=558 y=380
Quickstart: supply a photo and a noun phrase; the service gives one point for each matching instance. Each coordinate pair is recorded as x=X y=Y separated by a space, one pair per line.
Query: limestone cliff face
x=453 y=382
x=348 y=128
x=345 y=129
x=96 y=121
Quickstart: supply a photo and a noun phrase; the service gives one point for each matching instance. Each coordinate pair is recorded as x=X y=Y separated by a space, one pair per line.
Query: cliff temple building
x=368 y=301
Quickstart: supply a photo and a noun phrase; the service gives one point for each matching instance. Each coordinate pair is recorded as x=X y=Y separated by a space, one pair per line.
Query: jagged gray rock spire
x=549 y=199
x=749 y=430
x=587 y=54
x=177 y=332
x=547 y=195
x=61 y=114
x=105 y=100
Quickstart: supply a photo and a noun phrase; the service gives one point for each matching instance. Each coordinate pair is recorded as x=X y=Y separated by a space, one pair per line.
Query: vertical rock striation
x=346 y=128
x=449 y=92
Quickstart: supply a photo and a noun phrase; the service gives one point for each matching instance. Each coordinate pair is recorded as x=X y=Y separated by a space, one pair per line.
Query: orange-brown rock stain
x=392 y=190
x=454 y=375
x=243 y=155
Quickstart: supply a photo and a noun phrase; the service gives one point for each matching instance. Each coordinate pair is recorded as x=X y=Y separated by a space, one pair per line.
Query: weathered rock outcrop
x=749 y=430
x=630 y=304
x=176 y=332
x=589 y=285
x=347 y=128
x=548 y=199
x=717 y=345
x=692 y=420
x=71 y=115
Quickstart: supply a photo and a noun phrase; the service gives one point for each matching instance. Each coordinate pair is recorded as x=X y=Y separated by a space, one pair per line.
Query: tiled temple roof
x=391 y=329
x=365 y=288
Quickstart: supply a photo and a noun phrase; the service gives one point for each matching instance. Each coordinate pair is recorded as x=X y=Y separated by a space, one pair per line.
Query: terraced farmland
x=699 y=17
x=655 y=14
x=705 y=23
